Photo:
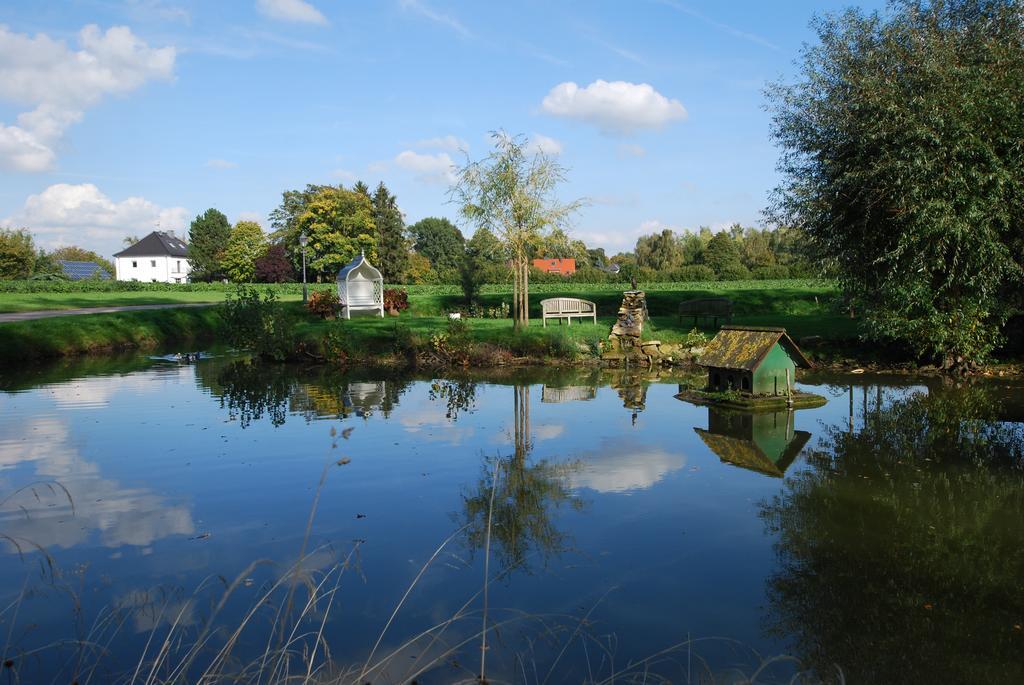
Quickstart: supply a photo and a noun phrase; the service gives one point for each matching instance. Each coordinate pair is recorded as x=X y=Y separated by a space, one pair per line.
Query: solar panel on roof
x=77 y=271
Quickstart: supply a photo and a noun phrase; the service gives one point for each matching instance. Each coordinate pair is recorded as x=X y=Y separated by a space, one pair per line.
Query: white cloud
x=433 y=15
x=65 y=213
x=21 y=150
x=544 y=144
x=297 y=11
x=249 y=216
x=617 y=107
x=726 y=28
x=449 y=142
x=61 y=83
x=345 y=175
x=437 y=168
x=631 y=150
x=221 y=164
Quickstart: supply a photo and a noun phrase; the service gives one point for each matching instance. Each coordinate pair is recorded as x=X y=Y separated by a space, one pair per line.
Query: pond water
x=879 y=538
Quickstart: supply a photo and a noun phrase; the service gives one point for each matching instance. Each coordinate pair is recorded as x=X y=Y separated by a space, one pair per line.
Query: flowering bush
x=395 y=299
x=324 y=303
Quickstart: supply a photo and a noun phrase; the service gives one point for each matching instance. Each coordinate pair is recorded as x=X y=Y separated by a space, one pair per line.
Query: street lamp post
x=303 y=239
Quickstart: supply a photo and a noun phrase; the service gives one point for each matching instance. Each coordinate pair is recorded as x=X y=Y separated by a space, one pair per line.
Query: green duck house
x=757 y=360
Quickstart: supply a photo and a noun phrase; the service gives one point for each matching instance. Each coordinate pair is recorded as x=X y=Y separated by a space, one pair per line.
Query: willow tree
x=513 y=194
x=903 y=165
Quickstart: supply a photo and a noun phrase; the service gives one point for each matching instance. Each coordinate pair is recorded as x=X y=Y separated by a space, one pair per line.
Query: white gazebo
x=360 y=288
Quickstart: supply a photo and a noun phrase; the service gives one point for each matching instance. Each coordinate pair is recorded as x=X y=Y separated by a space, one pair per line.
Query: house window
x=135 y=264
x=152 y=263
x=177 y=266
x=177 y=280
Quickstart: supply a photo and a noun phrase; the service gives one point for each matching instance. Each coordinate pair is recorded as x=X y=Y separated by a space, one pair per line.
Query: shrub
x=770 y=272
x=469 y=279
x=453 y=346
x=396 y=299
x=254 y=319
x=734 y=272
x=692 y=272
x=324 y=303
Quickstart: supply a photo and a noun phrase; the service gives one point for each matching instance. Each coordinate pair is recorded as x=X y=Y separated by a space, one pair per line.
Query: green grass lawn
x=804 y=308
x=29 y=302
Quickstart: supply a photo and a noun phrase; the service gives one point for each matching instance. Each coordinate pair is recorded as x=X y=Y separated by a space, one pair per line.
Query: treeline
x=735 y=254
x=21 y=259
x=340 y=222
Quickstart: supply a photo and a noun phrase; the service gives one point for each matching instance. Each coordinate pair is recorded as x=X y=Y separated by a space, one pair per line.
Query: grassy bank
x=74 y=335
x=805 y=308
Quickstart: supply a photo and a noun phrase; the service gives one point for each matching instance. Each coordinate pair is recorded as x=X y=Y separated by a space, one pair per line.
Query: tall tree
x=274 y=266
x=486 y=247
x=902 y=163
x=207 y=241
x=660 y=251
x=246 y=244
x=439 y=240
x=339 y=224
x=722 y=255
x=17 y=253
x=513 y=192
x=392 y=248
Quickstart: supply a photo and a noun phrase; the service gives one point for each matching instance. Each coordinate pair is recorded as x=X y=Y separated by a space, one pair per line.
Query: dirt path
x=48 y=313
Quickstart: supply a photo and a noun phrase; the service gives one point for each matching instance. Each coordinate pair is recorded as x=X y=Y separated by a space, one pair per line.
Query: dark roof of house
x=156 y=244
x=745 y=347
x=76 y=271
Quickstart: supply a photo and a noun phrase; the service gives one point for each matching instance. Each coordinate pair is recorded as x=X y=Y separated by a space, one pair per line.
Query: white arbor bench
x=566 y=308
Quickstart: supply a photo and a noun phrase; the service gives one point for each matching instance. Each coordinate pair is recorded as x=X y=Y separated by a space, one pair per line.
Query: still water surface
x=880 y=536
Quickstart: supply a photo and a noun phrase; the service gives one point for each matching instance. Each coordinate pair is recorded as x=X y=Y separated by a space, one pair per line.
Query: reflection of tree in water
x=250 y=390
x=527 y=496
x=459 y=395
x=902 y=549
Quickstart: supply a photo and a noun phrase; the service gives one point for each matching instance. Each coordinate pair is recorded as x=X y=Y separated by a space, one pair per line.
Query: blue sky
x=117 y=115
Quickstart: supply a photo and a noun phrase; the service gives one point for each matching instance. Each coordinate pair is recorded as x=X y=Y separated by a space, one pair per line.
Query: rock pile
x=624 y=341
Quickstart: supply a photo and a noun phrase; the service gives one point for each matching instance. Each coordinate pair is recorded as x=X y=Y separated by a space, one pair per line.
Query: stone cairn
x=624 y=341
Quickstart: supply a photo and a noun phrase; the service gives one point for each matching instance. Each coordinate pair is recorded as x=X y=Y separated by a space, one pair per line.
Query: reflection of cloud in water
x=43 y=515
x=547 y=431
x=152 y=608
x=96 y=392
x=538 y=432
x=427 y=421
x=621 y=465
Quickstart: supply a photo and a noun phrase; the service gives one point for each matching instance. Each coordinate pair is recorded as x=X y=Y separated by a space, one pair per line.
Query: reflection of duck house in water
x=569 y=393
x=762 y=442
x=754 y=359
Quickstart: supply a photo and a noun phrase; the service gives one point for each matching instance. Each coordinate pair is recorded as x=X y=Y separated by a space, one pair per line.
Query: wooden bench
x=566 y=308
x=707 y=308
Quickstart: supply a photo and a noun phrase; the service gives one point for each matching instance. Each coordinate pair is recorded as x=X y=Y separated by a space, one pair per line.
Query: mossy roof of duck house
x=745 y=347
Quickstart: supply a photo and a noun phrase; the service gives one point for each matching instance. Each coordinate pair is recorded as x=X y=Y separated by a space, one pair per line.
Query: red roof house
x=565 y=267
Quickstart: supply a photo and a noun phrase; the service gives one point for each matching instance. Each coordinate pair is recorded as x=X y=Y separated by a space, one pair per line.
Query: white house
x=159 y=258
